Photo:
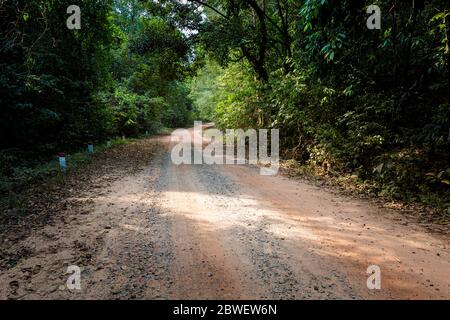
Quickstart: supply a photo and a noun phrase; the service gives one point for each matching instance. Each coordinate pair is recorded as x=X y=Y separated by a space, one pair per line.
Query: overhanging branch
x=210 y=7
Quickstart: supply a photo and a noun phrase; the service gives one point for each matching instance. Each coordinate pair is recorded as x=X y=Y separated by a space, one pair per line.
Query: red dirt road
x=163 y=231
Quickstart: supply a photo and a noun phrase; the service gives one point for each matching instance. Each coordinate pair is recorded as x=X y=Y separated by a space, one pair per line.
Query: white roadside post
x=62 y=162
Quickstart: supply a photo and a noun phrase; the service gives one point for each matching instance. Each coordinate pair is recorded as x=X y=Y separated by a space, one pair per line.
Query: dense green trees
x=370 y=103
x=373 y=104
x=47 y=73
x=149 y=61
x=121 y=73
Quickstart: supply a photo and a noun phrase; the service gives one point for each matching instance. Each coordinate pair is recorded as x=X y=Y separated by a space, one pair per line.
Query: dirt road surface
x=149 y=229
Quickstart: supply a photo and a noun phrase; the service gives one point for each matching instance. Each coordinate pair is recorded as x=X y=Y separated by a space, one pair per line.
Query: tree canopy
x=348 y=100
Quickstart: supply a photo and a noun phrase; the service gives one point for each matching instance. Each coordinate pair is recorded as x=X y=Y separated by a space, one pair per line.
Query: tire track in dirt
x=144 y=228
x=112 y=234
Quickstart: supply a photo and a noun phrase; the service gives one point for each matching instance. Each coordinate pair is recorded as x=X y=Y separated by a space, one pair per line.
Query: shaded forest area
x=368 y=107
x=120 y=75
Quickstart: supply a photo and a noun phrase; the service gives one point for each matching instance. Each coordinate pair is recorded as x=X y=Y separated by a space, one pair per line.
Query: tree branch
x=210 y=7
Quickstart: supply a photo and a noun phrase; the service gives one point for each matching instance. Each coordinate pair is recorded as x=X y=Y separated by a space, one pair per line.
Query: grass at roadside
x=437 y=206
x=14 y=185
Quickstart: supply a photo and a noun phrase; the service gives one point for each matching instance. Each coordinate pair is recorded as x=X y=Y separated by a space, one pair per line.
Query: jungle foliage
x=121 y=74
x=349 y=101
x=370 y=104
